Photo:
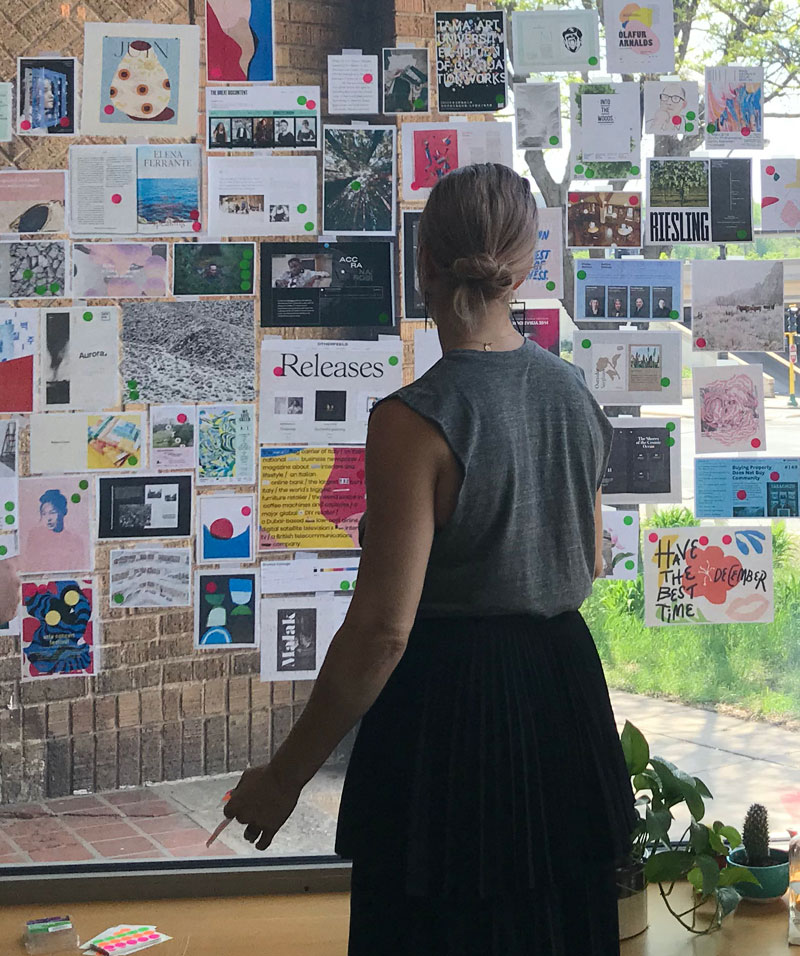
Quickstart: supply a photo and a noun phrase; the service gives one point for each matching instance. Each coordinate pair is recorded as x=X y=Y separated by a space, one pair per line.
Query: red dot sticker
x=196 y=227
x=726 y=539
x=367 y=77
x=116 y=198
x=181 y=418
x=574 y=197
x=653 y=537
x=311 y=104
x=676 y=121
x=246 y=511
x=756 y=443
x=770 y=170
x=774 y=476
x=633 y=200
x=745 y=131
x=211 y=586
x=700 y=343
x=741 y=494
x=277 y=370
x=108 y=109
x=194 y=214
x=415 y=186
x=25 y=124
x=703 y=540
x=64 y=121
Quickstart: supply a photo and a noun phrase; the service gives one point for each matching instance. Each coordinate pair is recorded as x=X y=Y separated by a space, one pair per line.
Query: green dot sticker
x=344 y=586
x=629 y=565
x=628 y=520
x=131 y=383
x=83 y=484
x=301 y=101
x=244 y=286
x=741 y=233
x=550 y=285
x=554 y=141
x=499 y=98
x=119 y=598
x=55 y=286
x=673 y=314
x=3 y=549
x=709 y=127
x=393 y=360
x=247 y=253
x=690 y=115
x=634 y=170
x=133 y=461
x=670 y=442
x=592 y=61
x=9 y=519
x=586 y=344
x=589 y=173
x=309 y=227
x=302 y=207
x=133 y=396
x=27 y=274
x=419 y=103
x=581 y=273
x=75 y=498
x=87 y=316
x=670 y=426
x=579 y=169
x=665 y=382
x=355 y=185
x=9 y=506
x=383 y=317
x=689 y=127
x=40 y=289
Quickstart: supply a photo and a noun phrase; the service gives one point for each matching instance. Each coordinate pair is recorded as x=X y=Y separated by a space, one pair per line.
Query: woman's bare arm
x=404 y=457
x=598 y=534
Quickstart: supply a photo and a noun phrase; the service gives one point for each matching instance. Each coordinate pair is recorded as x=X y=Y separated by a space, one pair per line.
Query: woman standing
x=487 y=799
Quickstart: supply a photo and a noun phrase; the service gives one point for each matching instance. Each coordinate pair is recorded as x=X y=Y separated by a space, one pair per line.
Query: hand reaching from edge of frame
x=262 y=803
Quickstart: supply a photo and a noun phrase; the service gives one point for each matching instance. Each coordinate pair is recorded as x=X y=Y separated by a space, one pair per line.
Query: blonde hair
x=476 y=239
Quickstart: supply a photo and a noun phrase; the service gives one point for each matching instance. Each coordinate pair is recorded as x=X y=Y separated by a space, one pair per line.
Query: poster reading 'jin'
x=471 y=61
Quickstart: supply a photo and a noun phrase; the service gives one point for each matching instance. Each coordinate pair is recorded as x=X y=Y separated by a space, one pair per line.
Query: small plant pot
x=774 y=879
x=631 y=900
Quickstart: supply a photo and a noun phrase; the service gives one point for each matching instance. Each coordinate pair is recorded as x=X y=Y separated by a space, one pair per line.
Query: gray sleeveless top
x=533 y=446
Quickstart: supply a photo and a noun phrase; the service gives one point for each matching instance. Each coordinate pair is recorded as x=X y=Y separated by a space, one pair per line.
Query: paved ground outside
x=741 y=761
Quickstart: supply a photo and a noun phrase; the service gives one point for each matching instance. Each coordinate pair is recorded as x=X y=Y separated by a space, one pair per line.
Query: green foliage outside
x=751 y=666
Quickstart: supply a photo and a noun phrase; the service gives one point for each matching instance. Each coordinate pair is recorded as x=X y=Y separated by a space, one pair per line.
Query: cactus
x=755 y=836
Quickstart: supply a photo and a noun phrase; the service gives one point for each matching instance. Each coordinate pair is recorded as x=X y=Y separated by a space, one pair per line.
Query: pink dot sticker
x=676 y=121
x=703 y=540
x=769 y=170
x=196 y=227
x=64 y=121
x=633 y=200
x=745 y=131
x=108 y=109
x=25 y=124
x=756 y=443
x=726 y=539
x=700 y=343
x=741 y=494
x=774 y=476
x=246 y=511
x=574 y=197
x=116 y=198
x=211 y=587
x=653 y=537
x=194 y=214
x=415 y=186
x=367 y=77
x=277 y=370
x=311 y=104
x=181 y=418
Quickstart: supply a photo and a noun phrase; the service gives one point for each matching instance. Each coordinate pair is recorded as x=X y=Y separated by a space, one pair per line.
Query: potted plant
x=769 y=864
x=701 y=859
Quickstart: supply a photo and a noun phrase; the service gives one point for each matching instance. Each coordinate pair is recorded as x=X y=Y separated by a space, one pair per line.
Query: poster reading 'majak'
x=471 y=61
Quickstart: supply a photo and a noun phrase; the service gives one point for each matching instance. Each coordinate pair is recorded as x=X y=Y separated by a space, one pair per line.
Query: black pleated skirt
x=487 y=801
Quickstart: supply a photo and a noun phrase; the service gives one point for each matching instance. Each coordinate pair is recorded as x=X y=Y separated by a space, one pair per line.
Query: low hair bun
x=482 y=269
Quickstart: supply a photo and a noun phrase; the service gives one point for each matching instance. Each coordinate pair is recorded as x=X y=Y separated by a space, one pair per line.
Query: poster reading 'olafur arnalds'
x=708 y=576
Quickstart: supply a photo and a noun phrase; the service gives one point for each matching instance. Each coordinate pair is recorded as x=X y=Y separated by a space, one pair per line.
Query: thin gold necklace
x=487 y=346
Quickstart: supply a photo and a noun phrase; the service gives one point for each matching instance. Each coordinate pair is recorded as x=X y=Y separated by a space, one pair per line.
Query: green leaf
x=658 y=824
x=678 y=785
x=728 y=899
x=710 y=870
x=695 y=877
x=668 y=866
x=733 y=874
x=698 y=838
x=635 y=748
x=646 y=781
x=620 y=557
x=702 y=789
x=731 y=834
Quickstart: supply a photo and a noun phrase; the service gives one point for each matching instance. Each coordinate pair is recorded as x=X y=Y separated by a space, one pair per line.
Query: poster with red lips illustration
x=708 y=576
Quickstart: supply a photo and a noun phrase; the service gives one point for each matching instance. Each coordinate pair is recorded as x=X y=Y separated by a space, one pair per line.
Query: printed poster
x=8 y=448
x=76 y=442
x=352 y=84
x=226 y=609
x=737 y=305
x=297 y=634
x=537 y=114
x=359 y=181
x=640 y=38
x=9 y=549
x=630 y=368
x=144 y=506
x=729 y=408
x=645 y=462
x=708 y=576
x=405 y=86
x=746 y=487
x=226 y=445
x=413 y=302
x=263 y=196
x=9 y=497
x=6 y=122
x=46 y=96
x=557 y=40
x=432 y=150
x=58 y=629
x=605 y=126
x=541 y=326
x=734 y=107
x=32 y=201
x=54 y=525
x=470 y=61
x=150 y=577
x=172 y=436
x=671 y=107
x=307 y=574
x=310 y=498
x=620 y=544
x=331 y=284
x=604 y=220
x=780 y=195
x=321 y=392
x=239 y=41
x=18 y=346
x=628 y=288
x=119 y=270
x=146 y=80
x=213 y=268
x=427 y=350
x=33 y=270
x=697 y=201
x=226 y=528
x=79 y=358
x=262 y=117
x=546 y=278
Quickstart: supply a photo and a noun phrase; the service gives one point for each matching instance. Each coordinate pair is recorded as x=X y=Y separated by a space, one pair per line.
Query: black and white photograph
x=8 y=448
x=595 y=301
x=284 y=132
x=405 y=80
x=241 y=132
x=359 y=180
x=144 y=506
x=46 y=103
x=305 y=131
x=413 y=302
x=330 y=406
x=471 y=61
x=189 y=351
x=537 y=113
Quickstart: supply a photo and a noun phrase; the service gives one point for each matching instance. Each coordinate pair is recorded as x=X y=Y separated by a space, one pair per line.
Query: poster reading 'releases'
x=708 y=576
x=310 y=498
x=239 y=41
x=471 y=61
